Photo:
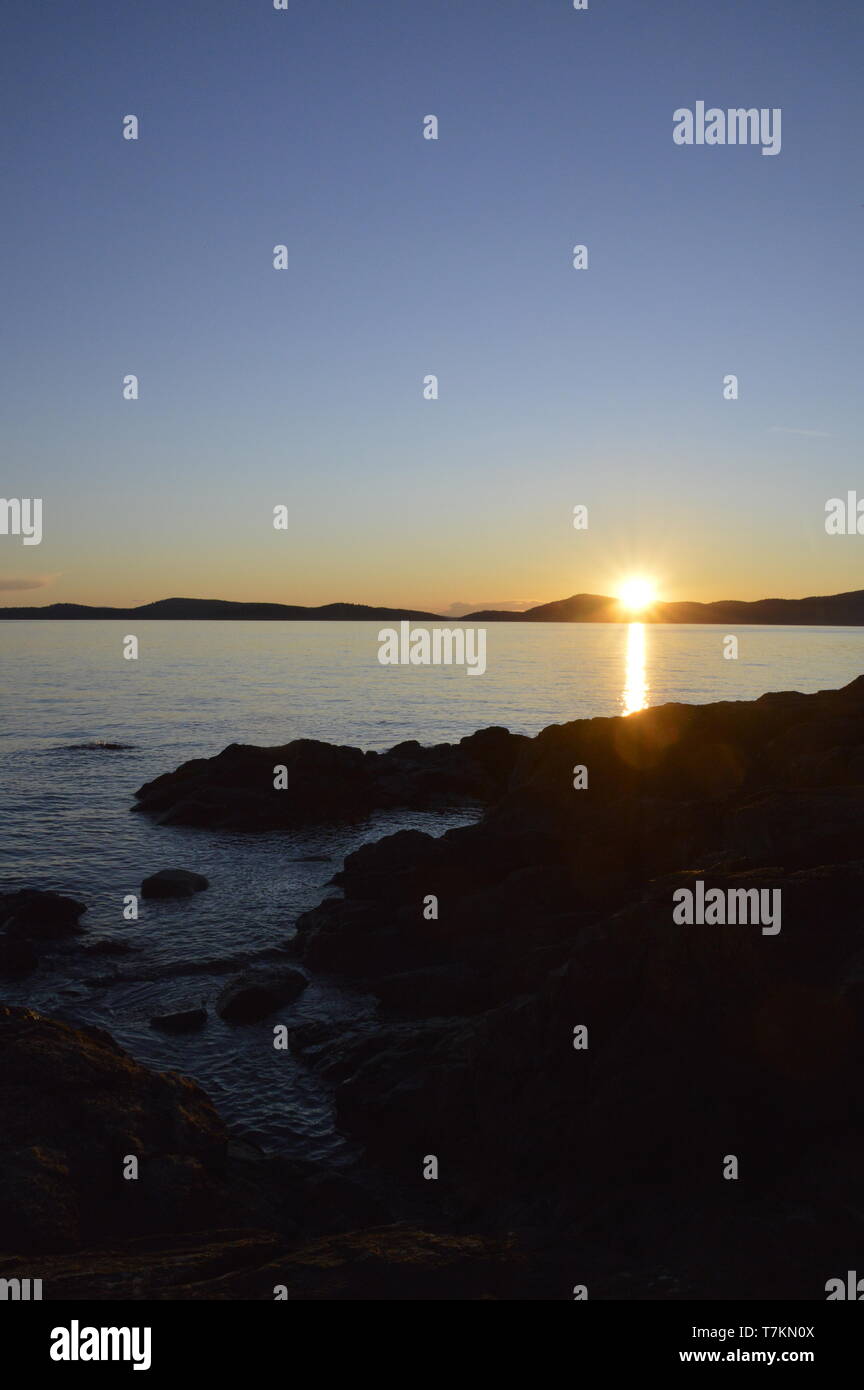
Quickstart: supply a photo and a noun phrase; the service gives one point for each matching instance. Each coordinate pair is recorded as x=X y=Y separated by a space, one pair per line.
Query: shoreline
x=552 y=913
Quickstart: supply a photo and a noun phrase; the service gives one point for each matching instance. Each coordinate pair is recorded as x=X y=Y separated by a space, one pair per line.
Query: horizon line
x=581 y=607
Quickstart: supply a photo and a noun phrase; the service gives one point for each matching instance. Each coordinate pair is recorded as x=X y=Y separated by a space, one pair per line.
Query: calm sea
x=65 y=822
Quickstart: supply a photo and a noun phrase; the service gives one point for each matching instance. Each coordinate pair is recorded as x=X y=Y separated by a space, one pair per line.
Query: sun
x=637 y=593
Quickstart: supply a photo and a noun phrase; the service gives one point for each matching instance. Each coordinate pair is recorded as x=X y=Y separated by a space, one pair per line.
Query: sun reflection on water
x=635 y=695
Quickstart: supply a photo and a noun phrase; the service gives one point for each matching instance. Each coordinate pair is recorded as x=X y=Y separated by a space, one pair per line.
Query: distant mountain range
x=184 y=609
x=844 y=610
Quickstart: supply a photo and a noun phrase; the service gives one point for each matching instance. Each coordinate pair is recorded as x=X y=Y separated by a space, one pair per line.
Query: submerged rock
x=99 y=745
x=173 y=883
x=184 y=1021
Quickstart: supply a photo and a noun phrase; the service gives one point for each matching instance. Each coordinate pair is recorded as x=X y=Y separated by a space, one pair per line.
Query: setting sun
x=637 y=593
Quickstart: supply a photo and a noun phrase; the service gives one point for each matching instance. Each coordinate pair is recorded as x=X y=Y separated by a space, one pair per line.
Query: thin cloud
x=812 y=434
x=506 y=605
x=14 y=586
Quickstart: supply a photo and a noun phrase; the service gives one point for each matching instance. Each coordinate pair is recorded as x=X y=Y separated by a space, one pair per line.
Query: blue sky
x=409 y=257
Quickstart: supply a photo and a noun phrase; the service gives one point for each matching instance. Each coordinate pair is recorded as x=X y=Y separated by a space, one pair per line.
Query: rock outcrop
x=610 y=1093
x=206 y=1217
x=322 y=782
x=74 y=1107
x=555 y=913
x=390 y=1262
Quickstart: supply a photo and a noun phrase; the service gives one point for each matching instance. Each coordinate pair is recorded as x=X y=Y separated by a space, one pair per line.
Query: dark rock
x=798 y=828
x=437 y=992
x=40 y=916
x=72 y=1106
x=259 y=992
x=17 y=956
x=185 y=1021
x=556 y=910
x=394 y=1263
x=173 y=883
x=500 y=898
x=389 y=1262
x=328 y=783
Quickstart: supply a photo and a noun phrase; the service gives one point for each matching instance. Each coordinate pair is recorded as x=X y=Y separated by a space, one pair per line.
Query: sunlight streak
x=635 y=694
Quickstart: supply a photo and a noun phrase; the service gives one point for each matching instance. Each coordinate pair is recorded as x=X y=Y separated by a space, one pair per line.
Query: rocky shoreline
x=325 y=782
x=580 y=1066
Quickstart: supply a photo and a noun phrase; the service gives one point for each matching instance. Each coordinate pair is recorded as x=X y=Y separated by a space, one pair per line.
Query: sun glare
x=636 y=688
x=637 y=593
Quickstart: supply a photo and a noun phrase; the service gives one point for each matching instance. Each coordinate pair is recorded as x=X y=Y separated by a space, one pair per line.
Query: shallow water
x=65 y=822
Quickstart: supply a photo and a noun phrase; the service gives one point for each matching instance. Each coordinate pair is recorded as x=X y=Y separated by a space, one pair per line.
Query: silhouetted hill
x=198 y=609
x=581 y=608
x=842 y=610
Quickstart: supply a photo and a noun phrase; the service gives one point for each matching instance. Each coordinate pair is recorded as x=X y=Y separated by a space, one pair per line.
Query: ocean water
x=65 y=822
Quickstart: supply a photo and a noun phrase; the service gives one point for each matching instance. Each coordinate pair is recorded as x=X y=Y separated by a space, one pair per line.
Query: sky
x=408 y=257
